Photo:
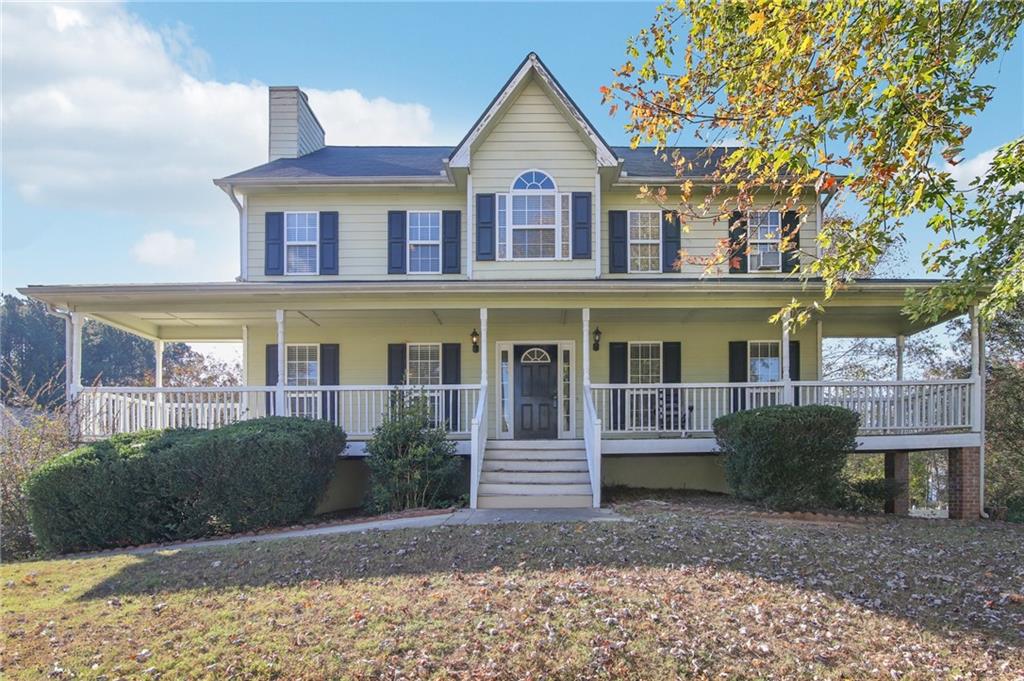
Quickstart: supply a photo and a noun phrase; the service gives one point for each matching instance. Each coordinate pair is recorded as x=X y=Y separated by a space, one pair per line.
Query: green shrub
x=869 y=494
x=787 y=457
x=182 y=484
x=412 y=463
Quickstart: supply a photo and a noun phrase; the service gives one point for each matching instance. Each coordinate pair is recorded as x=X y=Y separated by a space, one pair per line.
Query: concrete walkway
x=463 y=516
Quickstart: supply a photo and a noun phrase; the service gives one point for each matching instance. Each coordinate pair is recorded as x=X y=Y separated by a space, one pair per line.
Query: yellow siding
x=363 y=345
x=532 y=133
x=363 y=225
x=700 y=237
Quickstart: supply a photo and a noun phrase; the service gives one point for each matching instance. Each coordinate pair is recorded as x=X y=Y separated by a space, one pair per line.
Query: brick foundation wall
x=964 y=483
x=897 y=469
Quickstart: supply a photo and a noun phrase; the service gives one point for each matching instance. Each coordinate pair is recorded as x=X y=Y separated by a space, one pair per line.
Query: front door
x=536 y=392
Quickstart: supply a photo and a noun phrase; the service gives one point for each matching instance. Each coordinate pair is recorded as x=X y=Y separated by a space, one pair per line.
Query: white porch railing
x=592 y=443
x=685 y=408
x=357 y=409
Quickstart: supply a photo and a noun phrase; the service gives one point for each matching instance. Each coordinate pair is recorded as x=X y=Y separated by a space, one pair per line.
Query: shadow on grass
x=935 y=574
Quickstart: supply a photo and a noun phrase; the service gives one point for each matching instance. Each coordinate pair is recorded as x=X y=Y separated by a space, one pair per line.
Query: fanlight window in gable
x=536 y=356
x=533 y=220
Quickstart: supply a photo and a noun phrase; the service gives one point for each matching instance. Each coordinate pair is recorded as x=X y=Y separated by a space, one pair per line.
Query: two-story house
x=518 y=281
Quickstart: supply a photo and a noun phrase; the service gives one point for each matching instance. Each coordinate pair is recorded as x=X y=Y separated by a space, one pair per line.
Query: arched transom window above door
x=536 y=356
x=533 y=219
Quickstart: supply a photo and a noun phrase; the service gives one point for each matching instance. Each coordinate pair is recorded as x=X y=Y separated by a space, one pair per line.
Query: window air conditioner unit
x=769 y=260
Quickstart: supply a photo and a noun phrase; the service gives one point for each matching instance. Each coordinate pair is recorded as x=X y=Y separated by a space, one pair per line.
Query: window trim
x=288 y=243
x=778 y=344
x=409 y=242
x=286 y=362
x=558 y=228
x=630 y=241
x=440 y=364
x=629 y=361
x=752 y=242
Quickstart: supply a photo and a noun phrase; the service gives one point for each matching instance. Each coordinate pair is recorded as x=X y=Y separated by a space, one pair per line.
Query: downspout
x=66 y=316
x=243 y=232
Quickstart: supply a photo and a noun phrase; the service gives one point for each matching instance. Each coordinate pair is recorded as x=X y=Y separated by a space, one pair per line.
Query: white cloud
x=103 y=112
x=164 y=248
x=968 y=170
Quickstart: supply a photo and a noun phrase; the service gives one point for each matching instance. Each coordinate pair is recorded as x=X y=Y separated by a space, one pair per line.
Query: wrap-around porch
x=645 y=376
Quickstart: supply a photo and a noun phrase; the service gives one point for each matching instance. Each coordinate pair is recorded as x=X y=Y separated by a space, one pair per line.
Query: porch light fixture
x=597 y=339
x=475 y=338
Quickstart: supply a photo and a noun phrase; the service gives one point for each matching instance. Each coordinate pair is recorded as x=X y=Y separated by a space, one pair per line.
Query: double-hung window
x=644 y=241
x=302 y=368
x=644 y=368
x=764 y=233
x=302 y=242
x=534 y=220
x=423 y=364
x=424 y=241
x=764 y=361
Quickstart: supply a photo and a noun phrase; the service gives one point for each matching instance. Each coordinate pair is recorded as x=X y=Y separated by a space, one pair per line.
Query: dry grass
x=680 y=592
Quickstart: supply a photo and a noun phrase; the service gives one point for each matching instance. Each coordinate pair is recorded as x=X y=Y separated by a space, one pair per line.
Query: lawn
x=689 y=588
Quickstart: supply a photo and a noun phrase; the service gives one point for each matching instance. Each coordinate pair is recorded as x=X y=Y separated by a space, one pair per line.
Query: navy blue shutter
x=791 y=232
x=485 y=226
x=451 y=240
x=618 y=372
x=737 y=243
x=329 y=242
x=396 y=241
x=451 y=374
x=396 y=363
x=794 y=367
x=618 y=241
x=271 y=373
x=330 y=374
x=581 y=221
x=671 y=362
x=273 y=243
x=670 y=242
x=738 y=372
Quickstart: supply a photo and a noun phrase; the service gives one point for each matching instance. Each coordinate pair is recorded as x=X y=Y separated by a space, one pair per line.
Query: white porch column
x=787 y=384
x=279 y=391
x=976 y=371
x=75 y=382
x=483 y=347
x=586 y=347
x=158 y=381
x=900 y=343
x=818 y=348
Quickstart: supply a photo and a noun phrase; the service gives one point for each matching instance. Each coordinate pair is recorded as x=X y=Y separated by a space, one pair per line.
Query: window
x=764 y=363
x=424 y=241
x=645 y=362
x=302 y=365
x=534 y=220
x=536 y=356
x=764 y=233
x=302 y=242
x=644 y=241
x=423 y=364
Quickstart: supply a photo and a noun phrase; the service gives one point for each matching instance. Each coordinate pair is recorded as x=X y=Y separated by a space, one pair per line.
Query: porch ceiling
x=197 y=312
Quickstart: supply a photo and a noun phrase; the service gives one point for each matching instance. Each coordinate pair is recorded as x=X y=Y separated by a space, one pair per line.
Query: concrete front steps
x=535 y=474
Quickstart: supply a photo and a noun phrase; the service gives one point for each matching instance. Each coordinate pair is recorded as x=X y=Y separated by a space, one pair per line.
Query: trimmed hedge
x=182 y=484
x=788 y=457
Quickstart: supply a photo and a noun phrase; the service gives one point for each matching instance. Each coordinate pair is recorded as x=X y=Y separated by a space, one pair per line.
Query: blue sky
x=118 y=116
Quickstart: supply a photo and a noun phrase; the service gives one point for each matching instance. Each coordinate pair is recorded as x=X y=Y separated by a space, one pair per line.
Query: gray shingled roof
x=342 y=162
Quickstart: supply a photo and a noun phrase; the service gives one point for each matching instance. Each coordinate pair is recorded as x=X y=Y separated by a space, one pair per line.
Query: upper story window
x=302 y=242
x=533 y=220
x=645 y=241
x=764 y=234
x=424 y=241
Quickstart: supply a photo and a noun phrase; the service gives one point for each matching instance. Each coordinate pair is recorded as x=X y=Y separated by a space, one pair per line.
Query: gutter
x=243 y=230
